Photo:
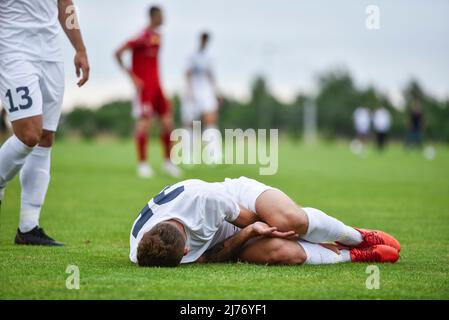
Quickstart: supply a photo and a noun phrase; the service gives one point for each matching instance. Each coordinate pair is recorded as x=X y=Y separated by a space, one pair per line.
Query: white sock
x=34 y=178
x=317 y=254
x=323 y=228
x=12 y=157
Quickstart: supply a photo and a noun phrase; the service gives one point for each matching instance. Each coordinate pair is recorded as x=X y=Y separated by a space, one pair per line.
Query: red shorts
x=148 y=102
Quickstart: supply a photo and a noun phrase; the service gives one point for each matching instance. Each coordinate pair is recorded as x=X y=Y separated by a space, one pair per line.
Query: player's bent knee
x=47 y=139
x=288 y=254
x=292 y=220
x=31 y=137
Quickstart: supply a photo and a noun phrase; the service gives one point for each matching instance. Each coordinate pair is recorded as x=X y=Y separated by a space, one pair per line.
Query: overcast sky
x=288 y=41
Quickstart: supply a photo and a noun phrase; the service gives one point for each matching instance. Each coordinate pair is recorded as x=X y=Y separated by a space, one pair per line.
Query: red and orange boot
x=375 y=237
x=378 y=253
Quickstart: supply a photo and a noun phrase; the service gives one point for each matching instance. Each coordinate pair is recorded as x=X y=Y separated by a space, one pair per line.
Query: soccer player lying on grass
x=242 y=219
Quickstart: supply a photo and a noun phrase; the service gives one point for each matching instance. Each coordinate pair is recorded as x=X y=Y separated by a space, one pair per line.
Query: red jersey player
x=150 y=98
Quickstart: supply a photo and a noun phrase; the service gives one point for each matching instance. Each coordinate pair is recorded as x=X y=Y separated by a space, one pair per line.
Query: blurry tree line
x=337 y=98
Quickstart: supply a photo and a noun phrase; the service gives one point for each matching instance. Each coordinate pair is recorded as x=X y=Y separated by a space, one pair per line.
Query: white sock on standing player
x=12 y=157
x=323 y=228
x=317 y=254
x=34 y=178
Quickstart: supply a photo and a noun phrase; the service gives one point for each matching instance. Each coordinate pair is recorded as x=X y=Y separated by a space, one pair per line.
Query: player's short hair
x=162 y=246
x=205 y=36
x=153 y=10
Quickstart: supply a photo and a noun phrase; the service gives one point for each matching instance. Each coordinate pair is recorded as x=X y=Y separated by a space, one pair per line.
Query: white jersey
x=30 y=30
x=200 y=206
x=362 y=120
x=202 y=98
x=382 y=120
x=200 y=65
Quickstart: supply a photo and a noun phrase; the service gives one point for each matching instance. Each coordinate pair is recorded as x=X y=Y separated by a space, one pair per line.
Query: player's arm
x=69 y=23
x=230 y=249
x=245 y=218
x=138 y=83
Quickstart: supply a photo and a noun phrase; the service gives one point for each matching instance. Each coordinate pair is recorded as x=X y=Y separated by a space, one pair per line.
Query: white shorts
x=204 y=101
x=32 y=88
x=245 y=191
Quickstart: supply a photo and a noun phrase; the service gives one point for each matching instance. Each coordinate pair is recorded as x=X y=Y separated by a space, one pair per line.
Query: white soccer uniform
x=203 y=93
x=362 y=120
x=203 y=208
x=382 y=120
x=32 y=71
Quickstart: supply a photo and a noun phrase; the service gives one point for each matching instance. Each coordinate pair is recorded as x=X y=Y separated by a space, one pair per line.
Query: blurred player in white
x=382 y=126
x=362 y=125
x=32 y=90
x=201 y=101
x=197 y=221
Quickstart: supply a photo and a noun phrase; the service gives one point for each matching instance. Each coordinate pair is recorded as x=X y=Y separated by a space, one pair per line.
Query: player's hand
x=264 y=230
x=82 y=67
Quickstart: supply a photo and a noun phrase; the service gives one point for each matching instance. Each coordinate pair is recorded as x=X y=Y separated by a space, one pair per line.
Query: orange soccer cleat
x=375 y=237
x=379 y=253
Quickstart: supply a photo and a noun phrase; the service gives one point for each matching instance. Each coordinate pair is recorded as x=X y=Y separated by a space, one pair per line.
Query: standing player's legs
x=142 y=113
x=208 y=104
x=22 y=100
x=163 y=109
x=212 y=137
x=35 y=174
x=34 y=95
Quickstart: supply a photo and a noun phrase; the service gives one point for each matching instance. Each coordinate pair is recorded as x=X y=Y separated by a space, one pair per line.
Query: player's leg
x=277 y=209
x=142 y=128
x=142 y=113
x=35 y=174
x=212 y=137
x=163 y=108
x=273 y=251
x=22 y=99
x=187 y=116
x=313 y=225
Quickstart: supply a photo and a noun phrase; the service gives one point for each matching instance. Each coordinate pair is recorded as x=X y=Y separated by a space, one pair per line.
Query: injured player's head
x=163 y=245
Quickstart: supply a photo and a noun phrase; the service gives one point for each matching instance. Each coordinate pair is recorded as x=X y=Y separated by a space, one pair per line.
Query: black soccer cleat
x=36 y=237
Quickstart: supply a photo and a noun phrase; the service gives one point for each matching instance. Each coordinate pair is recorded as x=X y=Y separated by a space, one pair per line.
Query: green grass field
x=95 y=196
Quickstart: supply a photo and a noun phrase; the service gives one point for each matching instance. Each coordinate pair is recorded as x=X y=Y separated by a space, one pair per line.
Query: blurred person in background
x=382 y=126
x=362 y=124
x=415 y=125
x=150 y=98
x=202 y=100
